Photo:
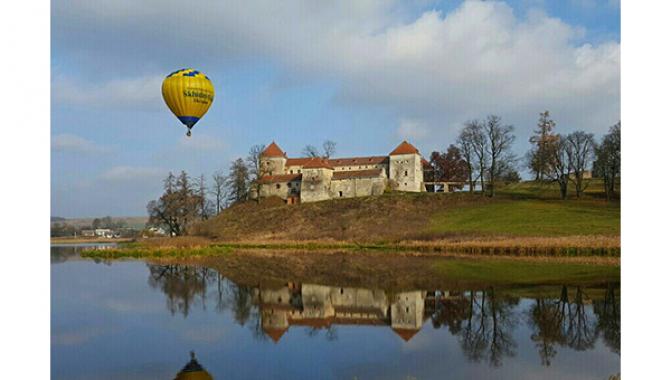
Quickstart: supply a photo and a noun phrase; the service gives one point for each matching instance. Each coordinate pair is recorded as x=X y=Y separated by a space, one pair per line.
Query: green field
x=531 y=217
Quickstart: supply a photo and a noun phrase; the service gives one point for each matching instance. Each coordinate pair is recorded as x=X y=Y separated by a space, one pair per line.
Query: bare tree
x=237 y=181
x=499 y=148
x=256 y=170
x=311 y=151
x=560 y=165
x=608 y=159
x=473 y=136
x=219 y=191
x=329 y=148
x=205 y=204
x=580 y=148
x=466 y=148
x=178 y=207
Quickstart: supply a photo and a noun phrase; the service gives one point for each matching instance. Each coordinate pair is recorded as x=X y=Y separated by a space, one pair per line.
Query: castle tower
x=405 y=168
x=273 y=160
x=317 y=174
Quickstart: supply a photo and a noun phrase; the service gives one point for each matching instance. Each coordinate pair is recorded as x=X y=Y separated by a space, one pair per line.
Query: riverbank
x=547 y=247
x=88 y=240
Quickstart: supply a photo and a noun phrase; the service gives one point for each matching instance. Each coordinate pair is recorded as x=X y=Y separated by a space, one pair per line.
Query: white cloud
x=138 y=93
x=72 y=143
x=132 y=173
x=411 y=130
x=477 y=59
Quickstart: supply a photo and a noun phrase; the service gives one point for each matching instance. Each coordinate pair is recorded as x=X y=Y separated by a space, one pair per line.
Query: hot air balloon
x=188 y=93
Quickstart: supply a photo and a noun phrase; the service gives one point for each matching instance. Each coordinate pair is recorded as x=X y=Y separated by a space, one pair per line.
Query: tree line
x=186 y=199
x=482 y=156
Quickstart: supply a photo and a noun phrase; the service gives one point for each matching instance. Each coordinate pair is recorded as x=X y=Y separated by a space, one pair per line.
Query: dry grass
x=554 y=247
x=524 y=246
x=176 y=242
x=415 y=216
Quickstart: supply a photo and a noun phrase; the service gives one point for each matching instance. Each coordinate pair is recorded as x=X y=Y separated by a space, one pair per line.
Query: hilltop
x=527 y=210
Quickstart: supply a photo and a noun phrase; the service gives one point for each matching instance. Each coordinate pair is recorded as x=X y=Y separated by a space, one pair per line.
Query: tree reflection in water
x=486 y=332
x=565 y=322
x=608 y=311
x=484 y=321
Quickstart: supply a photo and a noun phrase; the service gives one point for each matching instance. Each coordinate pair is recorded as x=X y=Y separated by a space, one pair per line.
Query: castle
x=315 y=179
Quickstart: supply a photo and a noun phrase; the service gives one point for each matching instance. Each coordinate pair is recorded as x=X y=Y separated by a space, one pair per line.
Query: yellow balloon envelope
x=188 y=93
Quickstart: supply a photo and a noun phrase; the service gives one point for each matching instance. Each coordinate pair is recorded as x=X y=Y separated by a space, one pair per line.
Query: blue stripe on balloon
x=188 y=121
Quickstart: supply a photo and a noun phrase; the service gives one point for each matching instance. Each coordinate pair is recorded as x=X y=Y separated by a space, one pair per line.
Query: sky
x=366 y=74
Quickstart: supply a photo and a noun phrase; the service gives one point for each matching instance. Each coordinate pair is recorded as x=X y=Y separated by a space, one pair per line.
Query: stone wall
x=315 y=184
x=280 y=189
x=407 y=172
x=273 y=165
x=360 y=167
x=357 y=187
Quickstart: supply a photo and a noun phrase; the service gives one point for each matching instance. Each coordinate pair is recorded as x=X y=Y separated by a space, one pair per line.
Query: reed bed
x=603 y=246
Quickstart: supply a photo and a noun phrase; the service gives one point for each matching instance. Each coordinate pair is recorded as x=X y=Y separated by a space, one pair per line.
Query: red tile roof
x=348 y=161
x=406 y=334
x=317 y=163
x=274 y=333
x=404 y=148
x=273 y=150
x=357 y=174
x=280 y=178
x=297 y=161
x=372 y=160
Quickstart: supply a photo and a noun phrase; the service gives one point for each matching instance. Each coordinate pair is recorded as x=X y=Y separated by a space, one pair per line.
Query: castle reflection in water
x=319 y=306
x=483 y=319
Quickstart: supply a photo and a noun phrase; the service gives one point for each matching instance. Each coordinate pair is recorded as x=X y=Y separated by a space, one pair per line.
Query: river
x=138 y=320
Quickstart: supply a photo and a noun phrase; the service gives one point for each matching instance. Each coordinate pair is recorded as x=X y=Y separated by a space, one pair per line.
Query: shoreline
x=83 y=240
x=548 y=248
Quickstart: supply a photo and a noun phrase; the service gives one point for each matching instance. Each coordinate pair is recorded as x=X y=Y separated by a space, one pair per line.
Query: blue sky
x=366 y=74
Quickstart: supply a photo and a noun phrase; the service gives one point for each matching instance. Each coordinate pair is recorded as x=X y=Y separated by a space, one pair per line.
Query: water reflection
x=61 y=253
x=483 y=320
x=193 y=371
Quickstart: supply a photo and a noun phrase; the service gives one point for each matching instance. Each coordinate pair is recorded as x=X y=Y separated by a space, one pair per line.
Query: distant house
x=157 y=231
x=88 y=233
x=104 y=232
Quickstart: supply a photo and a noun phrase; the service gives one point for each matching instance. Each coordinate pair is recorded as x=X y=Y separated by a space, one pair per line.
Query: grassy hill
x=520 y=210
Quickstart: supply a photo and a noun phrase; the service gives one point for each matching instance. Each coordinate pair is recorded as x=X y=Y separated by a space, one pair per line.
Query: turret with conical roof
x=273 y=160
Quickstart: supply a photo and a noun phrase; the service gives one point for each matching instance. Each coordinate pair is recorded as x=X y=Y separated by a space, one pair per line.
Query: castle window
x=405 y=173
x=299 y=171
x=340 y=193
x=278 y=185
x=291 y=171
